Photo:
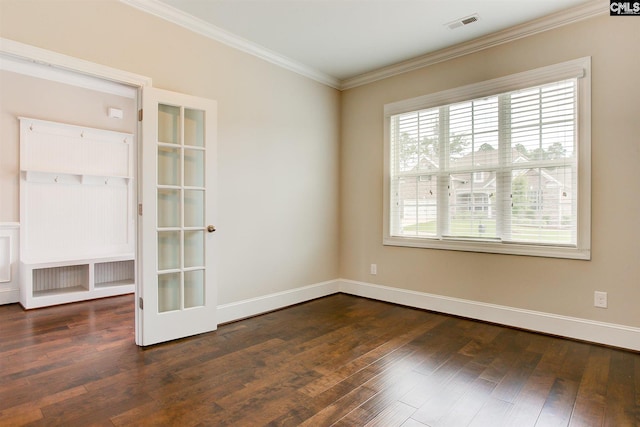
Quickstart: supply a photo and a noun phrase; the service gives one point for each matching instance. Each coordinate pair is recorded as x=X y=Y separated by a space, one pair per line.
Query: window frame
x=578 y=68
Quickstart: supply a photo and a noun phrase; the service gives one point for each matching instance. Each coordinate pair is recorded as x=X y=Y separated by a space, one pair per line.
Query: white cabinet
x=77 y=213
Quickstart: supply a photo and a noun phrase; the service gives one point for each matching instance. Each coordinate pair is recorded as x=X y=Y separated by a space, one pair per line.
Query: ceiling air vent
x=463 y=21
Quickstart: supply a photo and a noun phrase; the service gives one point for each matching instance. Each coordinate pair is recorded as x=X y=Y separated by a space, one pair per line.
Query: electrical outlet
x=600 y=299
x=374 y=269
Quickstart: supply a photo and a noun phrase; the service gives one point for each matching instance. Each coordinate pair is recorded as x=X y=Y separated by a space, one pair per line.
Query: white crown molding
x=556 y=20
x=25 y=52
x=171 y=14
x=163 y=11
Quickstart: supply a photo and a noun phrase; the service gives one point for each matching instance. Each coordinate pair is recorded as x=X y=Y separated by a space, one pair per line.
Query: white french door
x=176 y=293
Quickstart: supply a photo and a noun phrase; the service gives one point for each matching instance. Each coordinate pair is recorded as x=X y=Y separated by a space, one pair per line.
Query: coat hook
x=106 y=181
x=56 y=179
x=31 y=127
x=82 y=134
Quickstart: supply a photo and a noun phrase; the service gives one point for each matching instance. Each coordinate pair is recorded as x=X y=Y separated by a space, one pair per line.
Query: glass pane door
x=181 y=201
x=177 y=294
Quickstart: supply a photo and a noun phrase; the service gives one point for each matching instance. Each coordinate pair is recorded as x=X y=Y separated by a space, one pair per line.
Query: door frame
x=60 y=61
x=87 y=74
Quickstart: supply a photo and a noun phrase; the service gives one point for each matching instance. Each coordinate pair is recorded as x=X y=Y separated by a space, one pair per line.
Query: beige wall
x=278 y=135
x=550 y=285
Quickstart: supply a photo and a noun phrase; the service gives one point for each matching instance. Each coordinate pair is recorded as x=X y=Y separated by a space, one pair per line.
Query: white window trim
x=580 y=68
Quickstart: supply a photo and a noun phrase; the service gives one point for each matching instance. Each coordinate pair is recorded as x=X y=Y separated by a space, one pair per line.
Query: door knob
x=211 y=229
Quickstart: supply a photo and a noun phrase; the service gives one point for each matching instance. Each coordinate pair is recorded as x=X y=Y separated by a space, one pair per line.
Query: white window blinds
x=500 y=169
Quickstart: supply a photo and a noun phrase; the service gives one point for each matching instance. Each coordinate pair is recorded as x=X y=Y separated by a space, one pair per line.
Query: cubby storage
x=115 y=273
x=77 y=213
x=69 y=278
x=61 y=282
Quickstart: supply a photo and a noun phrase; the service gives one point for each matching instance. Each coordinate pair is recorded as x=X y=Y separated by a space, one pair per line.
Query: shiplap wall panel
x=62 y=148
x=77 y=192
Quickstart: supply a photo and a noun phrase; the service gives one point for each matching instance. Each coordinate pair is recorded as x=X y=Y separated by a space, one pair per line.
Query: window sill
x=548 y=251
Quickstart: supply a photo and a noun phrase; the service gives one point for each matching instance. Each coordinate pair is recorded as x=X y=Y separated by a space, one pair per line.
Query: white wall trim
x=22 y=51
x=571 y=327
x=546 y=23
x=9 y=296
x=255 y=306
x=612 y=334
x=178 y=17
x=9 y=225
x=41 y=71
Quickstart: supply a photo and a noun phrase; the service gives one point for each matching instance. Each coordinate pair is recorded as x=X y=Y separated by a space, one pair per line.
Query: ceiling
x=344 y=39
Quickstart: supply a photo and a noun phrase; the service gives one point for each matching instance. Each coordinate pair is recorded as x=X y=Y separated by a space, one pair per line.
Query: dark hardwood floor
x=339 y=360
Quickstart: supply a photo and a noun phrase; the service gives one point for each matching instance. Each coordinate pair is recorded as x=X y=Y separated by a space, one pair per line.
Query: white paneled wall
x=81 y=219
x=5 y=259
x=9 y=250
x=75 y=150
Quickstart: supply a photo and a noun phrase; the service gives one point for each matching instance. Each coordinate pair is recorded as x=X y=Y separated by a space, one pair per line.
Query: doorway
x=54 y=89
x=177 y=272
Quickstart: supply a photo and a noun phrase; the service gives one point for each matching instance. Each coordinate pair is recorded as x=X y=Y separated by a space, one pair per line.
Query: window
x=479 y=176
x=501 y=166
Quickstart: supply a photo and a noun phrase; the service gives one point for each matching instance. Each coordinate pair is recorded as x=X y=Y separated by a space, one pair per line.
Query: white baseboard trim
x=9 y=296
x=254 y=306
x=571 y=327
x=582 y=329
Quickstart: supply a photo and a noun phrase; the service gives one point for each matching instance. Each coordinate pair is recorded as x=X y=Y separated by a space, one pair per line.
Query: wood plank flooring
x=339 y=360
